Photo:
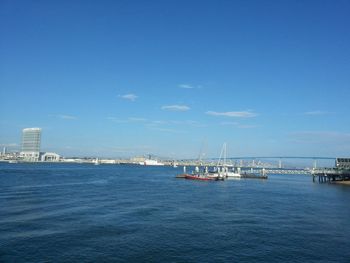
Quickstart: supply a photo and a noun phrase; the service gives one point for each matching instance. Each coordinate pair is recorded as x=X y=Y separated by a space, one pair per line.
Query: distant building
x=50 y=157
x=30 y=148
x=137 y=159
x=342 y=163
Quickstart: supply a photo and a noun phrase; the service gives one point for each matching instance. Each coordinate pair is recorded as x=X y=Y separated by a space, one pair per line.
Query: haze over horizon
x=126 y=78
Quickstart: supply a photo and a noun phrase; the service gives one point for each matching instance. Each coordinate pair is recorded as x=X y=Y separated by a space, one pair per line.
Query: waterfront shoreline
x=342 y=182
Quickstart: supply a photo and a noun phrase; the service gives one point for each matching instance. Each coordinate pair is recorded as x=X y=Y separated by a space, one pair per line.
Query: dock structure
x=287 y=171
x=258 y=170
x=330 y=175
x=341 y=172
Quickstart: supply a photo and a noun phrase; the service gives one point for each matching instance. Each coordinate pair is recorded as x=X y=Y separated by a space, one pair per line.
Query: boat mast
x=202 y=153
x=222 y=155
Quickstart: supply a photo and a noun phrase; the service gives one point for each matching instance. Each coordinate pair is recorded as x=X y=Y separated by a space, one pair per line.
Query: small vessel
x=151 y=162
x=199 y=174
x=183 y=175
x=234 y=173
x=223 y=170
x=199 y=177
x=180 y=176
x=96 y=162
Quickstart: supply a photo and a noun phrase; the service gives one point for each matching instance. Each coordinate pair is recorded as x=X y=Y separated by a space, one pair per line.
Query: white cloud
x=66 y=117
x=316 y=112
x=158 y=122
x=192 y=123
x=229 y=123
x=116 y=120
x=166 y=130
x=237 y=114
x=176 y=108
x=131 y=97
x=136 y=119
x=186 y=86
x=129 y=120
x=186 y=123
x=247 y=126
x=238 y=125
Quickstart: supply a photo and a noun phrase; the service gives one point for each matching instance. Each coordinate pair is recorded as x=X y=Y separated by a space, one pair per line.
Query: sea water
x=121 y=213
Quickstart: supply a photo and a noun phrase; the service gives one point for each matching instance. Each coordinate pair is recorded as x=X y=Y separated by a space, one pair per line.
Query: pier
x=330 y=175
x=340 y=173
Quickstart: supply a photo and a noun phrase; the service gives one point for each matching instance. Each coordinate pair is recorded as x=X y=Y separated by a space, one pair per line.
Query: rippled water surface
x=116 y=213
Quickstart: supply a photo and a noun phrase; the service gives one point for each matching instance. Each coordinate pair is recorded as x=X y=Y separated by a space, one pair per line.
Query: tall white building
x=31 y=138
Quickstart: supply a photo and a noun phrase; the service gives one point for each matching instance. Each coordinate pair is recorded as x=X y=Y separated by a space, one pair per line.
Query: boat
x=199 y=177
x=234 y=173
x=204 y=174
x=96 y=162
x=183 y=175
x=216 y=176
x=197 y=174
x=223 y=170
x=180 y=176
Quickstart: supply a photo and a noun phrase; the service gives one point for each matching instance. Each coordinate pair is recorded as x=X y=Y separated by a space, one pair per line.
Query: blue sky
x=125 y=78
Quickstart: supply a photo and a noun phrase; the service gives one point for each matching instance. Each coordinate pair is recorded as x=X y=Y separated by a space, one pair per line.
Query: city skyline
x=118 y=79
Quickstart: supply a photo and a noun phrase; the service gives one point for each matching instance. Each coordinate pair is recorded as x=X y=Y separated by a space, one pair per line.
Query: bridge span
x=314 y=160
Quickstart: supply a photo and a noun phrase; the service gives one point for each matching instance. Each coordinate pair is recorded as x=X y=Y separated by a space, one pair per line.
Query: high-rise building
x=31 y=138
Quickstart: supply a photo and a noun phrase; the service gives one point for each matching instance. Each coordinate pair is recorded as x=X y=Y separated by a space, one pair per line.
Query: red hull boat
x=198 y=177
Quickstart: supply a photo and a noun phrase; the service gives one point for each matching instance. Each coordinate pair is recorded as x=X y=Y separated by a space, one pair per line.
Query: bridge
x=340 y=172
x=313 y=159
